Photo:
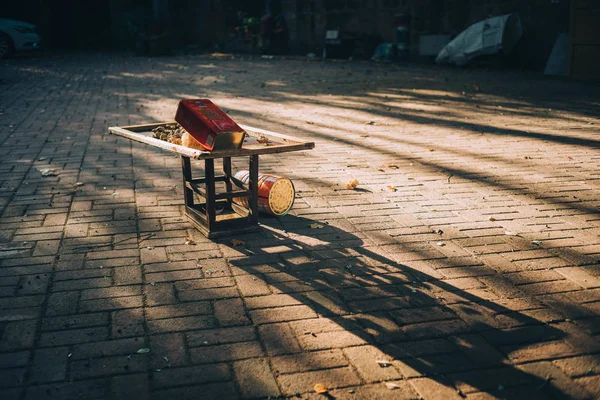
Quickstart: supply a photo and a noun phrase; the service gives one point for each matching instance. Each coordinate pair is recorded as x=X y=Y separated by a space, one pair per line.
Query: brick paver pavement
x=466 y=261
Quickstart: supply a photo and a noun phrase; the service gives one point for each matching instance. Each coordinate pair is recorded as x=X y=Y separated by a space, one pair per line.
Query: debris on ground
x=392 y=385
x=316 y=226
x=321 y=388
x=143 y=350
x=189 y=241
x=383 y=363
x=352 y=184
x=237 y=242
x=49 y=172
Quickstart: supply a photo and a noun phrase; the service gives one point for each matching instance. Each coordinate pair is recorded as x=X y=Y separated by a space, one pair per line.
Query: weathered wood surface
x=277 y=143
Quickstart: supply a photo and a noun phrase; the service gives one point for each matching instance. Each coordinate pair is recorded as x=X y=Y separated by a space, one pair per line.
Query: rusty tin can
x=275 y=194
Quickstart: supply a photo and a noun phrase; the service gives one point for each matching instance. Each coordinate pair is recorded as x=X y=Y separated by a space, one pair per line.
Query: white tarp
x=558 y=60
x=489 y=36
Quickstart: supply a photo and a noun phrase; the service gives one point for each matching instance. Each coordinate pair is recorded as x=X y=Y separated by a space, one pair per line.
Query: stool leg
x=209 y=170
x=227 y=172
x=186 y=168
x=253 y=217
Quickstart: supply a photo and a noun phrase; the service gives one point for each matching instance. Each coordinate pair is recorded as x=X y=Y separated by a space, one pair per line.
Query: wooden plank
x=286 y=138
x=133 y=132
x=138 y=137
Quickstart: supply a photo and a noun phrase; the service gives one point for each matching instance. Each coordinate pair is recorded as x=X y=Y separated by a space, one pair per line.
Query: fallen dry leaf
x=189 y=241
x=392 y=188
x=492 y=219
x=321 y=388
x=383 y=363
x=352 y=184
x=237 y=242
x=316 y=226
x=392 y=385
x=392 y=166
x=380 y=169
x=49 y=172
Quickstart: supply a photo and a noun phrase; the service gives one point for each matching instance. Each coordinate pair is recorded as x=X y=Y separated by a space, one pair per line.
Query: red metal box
x=209 y=125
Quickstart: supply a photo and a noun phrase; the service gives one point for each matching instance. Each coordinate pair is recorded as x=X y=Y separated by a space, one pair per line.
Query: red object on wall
x=209 y=125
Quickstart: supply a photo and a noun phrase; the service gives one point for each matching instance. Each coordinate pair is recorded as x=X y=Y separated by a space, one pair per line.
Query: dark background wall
x=118 y=24
x=542 y=20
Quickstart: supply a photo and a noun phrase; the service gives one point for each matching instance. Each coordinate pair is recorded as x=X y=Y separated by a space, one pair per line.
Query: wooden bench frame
x=207 y=215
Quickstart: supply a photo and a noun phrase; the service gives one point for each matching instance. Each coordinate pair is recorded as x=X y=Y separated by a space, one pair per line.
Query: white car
x=17 y=36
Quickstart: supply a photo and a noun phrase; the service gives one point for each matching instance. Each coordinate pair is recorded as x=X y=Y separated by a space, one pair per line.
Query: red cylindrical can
x=275 y=194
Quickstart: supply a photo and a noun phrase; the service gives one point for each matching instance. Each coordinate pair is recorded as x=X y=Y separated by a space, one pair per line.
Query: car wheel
x=6 y=46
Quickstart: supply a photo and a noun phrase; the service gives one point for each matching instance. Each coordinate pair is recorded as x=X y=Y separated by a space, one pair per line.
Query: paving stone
x=220 y=336
x=212 y=391
x=98 y=367
x=308 y=361
x=93 y=388
x=127 y=323
x=98 y=349
x=282 y=314
x=365 y=360
x=126 y=387
x=181 y=324
x=255 y=378
x=194 y=375
x=431 y=388
x=278 y=339
x=18 y=335
x=230 y=312
x=49 y=365
x=303 y=382
x=178 y=310
x=225 y=352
